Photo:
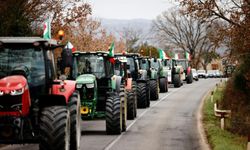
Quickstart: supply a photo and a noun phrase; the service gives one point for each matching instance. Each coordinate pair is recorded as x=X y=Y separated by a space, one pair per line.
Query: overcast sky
x=130 y=9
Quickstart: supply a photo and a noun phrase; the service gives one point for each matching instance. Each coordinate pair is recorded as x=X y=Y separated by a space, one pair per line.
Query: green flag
x=47 y=29
x=187 y=55
x=112 y=49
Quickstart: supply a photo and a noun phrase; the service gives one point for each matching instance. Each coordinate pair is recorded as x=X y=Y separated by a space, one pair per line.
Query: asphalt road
x=169 y=124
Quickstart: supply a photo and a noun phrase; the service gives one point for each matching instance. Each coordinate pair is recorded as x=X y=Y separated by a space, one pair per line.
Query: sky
x=130 y=9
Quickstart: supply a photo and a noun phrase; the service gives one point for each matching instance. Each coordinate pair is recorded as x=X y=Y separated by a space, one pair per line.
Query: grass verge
x=220 y=139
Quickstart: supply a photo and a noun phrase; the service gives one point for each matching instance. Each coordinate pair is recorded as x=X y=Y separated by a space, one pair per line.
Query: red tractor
x=35 y=106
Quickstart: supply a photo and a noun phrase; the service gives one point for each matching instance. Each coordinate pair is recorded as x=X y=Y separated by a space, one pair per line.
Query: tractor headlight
x=78 y=86
x=1 y=93
x=91 y=85
x=17 y=92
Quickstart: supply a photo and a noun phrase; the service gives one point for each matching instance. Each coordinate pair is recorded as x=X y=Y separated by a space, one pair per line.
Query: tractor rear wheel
x=131 y=105
x=123 y=97
x=154 y=94
x=163 y=85
x=189 y=79
x=75 y=119
x=113 y=115
x=55 y=128
x=177 y=81
x=141 y=95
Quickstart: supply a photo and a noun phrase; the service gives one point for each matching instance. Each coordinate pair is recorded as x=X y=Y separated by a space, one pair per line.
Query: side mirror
x=67 y=57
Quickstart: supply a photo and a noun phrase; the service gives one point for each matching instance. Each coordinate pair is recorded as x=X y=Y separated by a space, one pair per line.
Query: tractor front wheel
x=154 y=94
x=75 y=118
x=55 y=128
x=163 y=85
x=141 y=95
x=131 y=105
x=177 y=81
x=113 y=115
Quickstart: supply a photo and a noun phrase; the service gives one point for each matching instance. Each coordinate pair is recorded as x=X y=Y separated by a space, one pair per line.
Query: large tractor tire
x=141 y=95
x=55 y=128
x=148 y=93
x=123 y=97
x=163 y=85
x=134 y=88
x=75 y=119
x=113 y=115
x=189 y=79
x=177 y=81
x=131 y=105
x=154 y=93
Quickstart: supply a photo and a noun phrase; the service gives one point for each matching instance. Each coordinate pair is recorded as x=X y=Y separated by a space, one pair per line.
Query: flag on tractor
x=187 y=56
x=162 y=54
x=176 y=56
x=70 y=46
x=112 y=49
x=47 y=29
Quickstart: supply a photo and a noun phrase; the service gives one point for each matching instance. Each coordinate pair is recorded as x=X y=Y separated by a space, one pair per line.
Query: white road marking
x=109 y=146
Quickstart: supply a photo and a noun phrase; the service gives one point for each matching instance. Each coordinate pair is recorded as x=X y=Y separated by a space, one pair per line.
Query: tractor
x=130 y=89
x=102 y=93
x=152 y=73
x=162 y=73
x=175 y=73
x=140 y=79
x=36 y=106
x=187 y=70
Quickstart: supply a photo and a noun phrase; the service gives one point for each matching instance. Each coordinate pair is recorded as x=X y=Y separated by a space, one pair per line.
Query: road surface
x=169 y=124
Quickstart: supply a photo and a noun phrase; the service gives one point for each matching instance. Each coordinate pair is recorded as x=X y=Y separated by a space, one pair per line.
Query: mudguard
x=116 y=82
x=66 y=88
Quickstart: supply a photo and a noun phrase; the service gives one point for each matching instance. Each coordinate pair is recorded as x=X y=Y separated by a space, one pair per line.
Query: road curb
x=201 y=131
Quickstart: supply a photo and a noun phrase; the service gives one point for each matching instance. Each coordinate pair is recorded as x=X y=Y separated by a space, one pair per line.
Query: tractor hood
x=85 y=79
x=11 y=83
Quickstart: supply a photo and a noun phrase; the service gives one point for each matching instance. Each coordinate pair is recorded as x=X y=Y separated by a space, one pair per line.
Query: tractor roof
x=26 y=40
x=127 y=54
x=104 y=53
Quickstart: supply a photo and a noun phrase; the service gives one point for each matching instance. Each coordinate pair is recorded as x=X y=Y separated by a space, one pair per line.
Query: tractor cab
x=187 y=69
x=30 y=90
x=29 y=58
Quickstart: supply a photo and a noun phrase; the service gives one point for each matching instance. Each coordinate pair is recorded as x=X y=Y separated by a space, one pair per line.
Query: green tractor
x=140 y=79
x=188 y=77
x=162 y=73
x=130 y=89
x=152 y=73
x=175 y=73
x=101 y=91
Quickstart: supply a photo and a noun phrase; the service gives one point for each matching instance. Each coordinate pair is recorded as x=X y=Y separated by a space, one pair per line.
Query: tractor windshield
x=23 y=59
x=144 y=65
x=155 y=64
x=131 y=64
x=182 y=63
x=90 y=64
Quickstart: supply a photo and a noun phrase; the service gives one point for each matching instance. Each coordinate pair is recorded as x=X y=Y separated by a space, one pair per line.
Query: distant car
x=218 y=74
x=211 y=74
x=202 y=74
x=195 y=75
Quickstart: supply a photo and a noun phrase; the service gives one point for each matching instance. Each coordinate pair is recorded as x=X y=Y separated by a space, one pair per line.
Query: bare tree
x=131 y=38
x=184 y=32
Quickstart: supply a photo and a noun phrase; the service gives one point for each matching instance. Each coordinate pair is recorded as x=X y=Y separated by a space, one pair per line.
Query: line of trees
x=235 y=32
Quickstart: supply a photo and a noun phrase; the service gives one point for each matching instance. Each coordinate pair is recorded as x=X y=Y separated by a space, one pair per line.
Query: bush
x=236 y=98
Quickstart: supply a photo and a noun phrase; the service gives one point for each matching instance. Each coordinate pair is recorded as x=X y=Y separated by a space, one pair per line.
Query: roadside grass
x=219 y=139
